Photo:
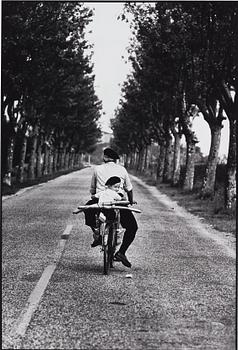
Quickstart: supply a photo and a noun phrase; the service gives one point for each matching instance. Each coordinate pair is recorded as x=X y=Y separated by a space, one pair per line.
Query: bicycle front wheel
x=106 y=250
x=112 y=244
x=105 y=260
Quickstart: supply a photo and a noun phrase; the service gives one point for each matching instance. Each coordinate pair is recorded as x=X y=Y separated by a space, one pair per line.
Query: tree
x=184 y=56
x=47 y=78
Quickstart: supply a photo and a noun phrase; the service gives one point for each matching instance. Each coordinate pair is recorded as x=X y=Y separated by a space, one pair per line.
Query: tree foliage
x=184 y=61
x=47 y=74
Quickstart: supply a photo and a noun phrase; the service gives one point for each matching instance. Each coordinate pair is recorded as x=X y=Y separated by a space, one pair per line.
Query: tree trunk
x=20 y=173
x=55 y=160
x=39 y=158
x=209 y=108
x=77 y=162
x=230 y=182
x=230 y=106
x=46 y=157
x=73 y=160
x=62 y=155
x=126 y=161
x=45 y=161
x=70 y=159
x=210 y=173
x=190 y=165
x=131 y=164
x=153 y=161
x=176 y=160
x=145 y=161
x=140 y=160
x=82 y=158
x=50 y=161
x=136 y=159
x=187 y=118
x=66 y=159
x=160 y=163
x=32 y=161
x=7 y=179
x=168 y=161
x=148 y=159
x=10 y=140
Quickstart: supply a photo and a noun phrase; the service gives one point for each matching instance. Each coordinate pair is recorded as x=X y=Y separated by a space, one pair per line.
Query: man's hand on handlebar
x=132 y=202
x=130 y=197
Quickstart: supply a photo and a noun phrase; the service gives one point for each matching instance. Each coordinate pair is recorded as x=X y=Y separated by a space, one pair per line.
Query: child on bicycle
x=111 y=191
x=108 y=195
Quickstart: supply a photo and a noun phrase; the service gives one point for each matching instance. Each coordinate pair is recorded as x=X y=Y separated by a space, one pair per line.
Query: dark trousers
x=128 y=222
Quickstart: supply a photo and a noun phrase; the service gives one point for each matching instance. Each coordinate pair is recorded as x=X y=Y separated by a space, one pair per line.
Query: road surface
x=181 y=294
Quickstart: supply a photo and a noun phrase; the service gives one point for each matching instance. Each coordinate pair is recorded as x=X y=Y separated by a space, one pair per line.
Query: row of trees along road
x=184 y=65
x=49 y=106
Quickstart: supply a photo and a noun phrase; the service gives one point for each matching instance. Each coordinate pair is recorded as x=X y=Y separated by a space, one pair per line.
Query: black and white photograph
x=118 y=175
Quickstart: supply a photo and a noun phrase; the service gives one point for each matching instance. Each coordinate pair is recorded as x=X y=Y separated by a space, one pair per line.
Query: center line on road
x=35 y=296
x=34 y=299
x=65 y=234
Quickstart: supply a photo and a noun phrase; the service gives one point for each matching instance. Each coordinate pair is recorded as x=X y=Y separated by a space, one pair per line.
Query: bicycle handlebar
x=106 y=206
x=122 y=202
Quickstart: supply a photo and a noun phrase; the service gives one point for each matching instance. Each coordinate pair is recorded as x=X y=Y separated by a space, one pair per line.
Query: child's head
x=113 y=183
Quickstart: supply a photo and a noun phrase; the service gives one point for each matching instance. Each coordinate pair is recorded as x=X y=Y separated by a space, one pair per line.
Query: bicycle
x=108 y=228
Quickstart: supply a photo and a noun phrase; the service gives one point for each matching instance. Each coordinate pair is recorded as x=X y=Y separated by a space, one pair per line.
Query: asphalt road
x=181 y=294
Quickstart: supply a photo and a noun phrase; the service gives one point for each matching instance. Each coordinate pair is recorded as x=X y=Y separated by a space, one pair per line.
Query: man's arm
x=130 y=196
x=93 y=183
x=127 y=182
x=128 y=186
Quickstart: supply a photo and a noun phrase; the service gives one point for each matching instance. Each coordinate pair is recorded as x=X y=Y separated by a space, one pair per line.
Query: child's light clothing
x=107 y=196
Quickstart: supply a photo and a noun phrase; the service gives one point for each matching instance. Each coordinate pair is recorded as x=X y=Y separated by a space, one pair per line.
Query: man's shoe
x=121 y=257
x=96 y=242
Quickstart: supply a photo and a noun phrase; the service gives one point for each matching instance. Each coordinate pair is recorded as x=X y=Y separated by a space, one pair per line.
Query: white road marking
x=35 y=297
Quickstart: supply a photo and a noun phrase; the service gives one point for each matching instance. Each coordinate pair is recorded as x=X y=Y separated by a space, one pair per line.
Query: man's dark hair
x=110 y=153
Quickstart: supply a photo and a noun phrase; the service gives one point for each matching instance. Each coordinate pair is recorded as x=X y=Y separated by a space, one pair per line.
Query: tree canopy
x=47 y=74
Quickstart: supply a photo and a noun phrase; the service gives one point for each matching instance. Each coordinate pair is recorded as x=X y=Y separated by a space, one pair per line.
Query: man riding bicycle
x=100 y=176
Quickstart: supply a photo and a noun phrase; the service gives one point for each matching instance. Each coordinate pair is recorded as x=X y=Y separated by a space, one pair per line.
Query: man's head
x=110 y=155
x=113 y=183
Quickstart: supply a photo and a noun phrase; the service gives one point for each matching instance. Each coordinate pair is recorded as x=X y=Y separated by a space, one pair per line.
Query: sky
x=110 y=38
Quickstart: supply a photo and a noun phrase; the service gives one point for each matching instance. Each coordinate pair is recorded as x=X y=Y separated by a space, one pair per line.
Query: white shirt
x=102 y=173
x=107 y=196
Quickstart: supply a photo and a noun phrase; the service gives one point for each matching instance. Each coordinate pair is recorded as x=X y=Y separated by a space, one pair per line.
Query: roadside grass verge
x=10 y=190
x=210 y=211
